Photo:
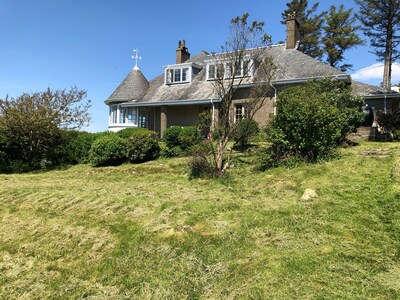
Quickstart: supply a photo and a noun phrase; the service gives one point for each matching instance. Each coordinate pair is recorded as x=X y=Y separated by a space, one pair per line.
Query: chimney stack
x=292 y=32
x=182 y=53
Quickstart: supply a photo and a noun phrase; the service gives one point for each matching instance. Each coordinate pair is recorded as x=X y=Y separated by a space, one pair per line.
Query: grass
x=148 y=232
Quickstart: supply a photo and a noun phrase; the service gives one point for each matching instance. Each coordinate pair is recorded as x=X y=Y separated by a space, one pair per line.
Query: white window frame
x=227 y=69
x=119 y=115
x=243 y=112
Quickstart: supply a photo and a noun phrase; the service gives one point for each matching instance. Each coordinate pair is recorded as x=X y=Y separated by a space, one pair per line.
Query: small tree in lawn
x=32 y=123
x=243 y=60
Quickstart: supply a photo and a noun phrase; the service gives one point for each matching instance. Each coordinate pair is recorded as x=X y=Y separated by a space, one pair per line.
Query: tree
x=33 y=122
x=243 y=60
x=339 y=36
x=310 y=26
x=381 y=22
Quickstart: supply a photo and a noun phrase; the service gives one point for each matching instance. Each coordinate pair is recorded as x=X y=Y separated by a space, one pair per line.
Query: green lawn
x=148 y=232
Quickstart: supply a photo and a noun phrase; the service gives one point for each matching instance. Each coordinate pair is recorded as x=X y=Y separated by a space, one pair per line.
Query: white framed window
x=177 y=75
x=240 y=112
x=122 y=115
x=226 y=69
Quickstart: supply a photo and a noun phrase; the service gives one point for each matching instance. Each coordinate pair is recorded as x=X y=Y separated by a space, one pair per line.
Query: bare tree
x=241 y=71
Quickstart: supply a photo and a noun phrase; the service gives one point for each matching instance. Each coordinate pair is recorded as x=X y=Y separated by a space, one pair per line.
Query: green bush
x=204 y=123
x=108 y=150
x=179 y=140
x=314 y=118
x=244 y=131
x=171 y=136
x=142 y=144
x=188 y=137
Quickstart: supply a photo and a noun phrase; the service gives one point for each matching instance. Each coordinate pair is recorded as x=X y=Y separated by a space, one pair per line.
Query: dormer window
x=226 y=69
x=180 y=73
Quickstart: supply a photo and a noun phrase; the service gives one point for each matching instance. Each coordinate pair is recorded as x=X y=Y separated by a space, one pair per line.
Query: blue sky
x=87 y=43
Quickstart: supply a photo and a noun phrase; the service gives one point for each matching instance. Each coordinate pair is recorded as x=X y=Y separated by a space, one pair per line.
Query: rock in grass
x=309 y=194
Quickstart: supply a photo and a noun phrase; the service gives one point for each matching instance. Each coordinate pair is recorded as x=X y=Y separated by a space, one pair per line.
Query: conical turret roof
x=133 y=87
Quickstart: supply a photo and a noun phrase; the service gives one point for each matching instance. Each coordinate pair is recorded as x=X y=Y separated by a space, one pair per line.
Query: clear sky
x=89 y=43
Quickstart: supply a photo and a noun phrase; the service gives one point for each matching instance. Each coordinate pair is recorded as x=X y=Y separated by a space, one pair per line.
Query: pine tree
x=340 y=34
x=381 y=23
x=310 y=26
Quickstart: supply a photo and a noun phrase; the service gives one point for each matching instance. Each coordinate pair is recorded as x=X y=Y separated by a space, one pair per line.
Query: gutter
x=344 y=77
x=172 y=103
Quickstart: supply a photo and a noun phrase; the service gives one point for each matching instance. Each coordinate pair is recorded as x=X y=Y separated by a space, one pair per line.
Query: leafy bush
x=204 y=123
x=142 y=144
x=244 y=131
x=171 y=136
x=108 y=150
x=188 y=137
x=179 y=140
x=313 y=119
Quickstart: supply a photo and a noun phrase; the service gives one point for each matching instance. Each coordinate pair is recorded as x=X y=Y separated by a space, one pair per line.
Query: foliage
x=108 y=150
x=385 y=120
x=171 y=136
x=199 y=167
x=188 y=137
x=339 y=36
x=244 y=131
x=381 y=23
x=310 y=26
x=142 y=144
x=33 y=122
x=179 y=140
x=312 y=119
x=204 y=123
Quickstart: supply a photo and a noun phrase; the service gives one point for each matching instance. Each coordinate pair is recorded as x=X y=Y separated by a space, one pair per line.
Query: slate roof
x=134 y=86
x=367 y=90
x=291 y=65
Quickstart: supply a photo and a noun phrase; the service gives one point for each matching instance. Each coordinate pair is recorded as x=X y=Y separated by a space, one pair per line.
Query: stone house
x=185 y=88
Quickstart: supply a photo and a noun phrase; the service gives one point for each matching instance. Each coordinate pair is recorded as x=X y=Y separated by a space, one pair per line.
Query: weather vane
x=136 y=57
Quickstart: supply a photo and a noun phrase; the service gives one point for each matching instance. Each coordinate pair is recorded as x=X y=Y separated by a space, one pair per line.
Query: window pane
x=238 y=69
x=229 y=70
x=113 y=114
x=177 y=75
x=238 y=112
x=131 y=115
x=211 y=71
x=122 y=115
x=245 y=68
x=142 y=117
x=184 y=74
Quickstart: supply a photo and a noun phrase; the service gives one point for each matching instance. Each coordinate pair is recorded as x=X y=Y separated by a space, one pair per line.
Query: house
x=185 y=88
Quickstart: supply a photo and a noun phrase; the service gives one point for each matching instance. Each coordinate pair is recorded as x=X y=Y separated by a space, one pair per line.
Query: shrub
x=188 y=137
x=199 y=167
x=108 y=150
x=142 y=144
x=244 y=131
x=179 y=140
x=171 y=136
x=204 y=123
x=313 y=118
